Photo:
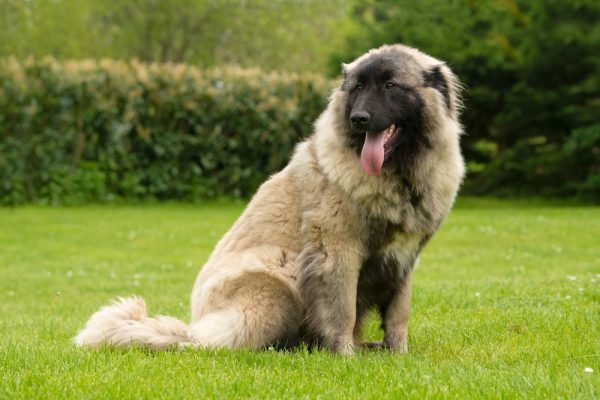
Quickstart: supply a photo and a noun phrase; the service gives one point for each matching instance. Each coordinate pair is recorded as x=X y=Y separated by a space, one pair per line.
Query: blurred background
x=102 y=101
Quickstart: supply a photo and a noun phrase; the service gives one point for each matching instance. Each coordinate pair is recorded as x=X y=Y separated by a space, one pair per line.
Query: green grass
x=506 y=304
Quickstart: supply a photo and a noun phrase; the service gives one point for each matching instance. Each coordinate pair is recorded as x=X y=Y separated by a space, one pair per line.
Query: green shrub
x=87 y=131
x=535 y=167
x=99 y=131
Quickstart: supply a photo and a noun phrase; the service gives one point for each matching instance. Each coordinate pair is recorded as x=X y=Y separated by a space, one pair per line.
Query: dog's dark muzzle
x=360 y=119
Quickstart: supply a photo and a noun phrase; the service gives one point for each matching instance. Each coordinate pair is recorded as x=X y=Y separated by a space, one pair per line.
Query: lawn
x=506 y=304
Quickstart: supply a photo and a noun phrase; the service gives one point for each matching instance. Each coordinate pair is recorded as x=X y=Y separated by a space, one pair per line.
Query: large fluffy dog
x=337 y=232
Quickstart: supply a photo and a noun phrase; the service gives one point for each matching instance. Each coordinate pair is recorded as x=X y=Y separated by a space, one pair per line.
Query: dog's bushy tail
x=125 y=323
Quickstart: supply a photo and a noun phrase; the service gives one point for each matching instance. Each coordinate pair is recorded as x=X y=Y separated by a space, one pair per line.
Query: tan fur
x=290 y=265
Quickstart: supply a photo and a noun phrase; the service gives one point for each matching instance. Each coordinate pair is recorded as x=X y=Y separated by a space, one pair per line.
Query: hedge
x=101 y=131
x=536 y=168
x=98 y=131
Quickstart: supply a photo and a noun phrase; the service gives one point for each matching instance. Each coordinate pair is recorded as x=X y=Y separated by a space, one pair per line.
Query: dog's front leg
x=328 y=282
x=395 y=320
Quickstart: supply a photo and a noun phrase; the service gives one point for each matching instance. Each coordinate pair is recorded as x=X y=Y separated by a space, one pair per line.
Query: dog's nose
x=360 y=118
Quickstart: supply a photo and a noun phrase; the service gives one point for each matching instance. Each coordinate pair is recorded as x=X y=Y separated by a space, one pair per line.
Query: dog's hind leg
x=255 y=309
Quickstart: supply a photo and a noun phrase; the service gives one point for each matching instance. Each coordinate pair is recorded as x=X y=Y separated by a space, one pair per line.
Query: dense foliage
x=532 y=76
x=77 y=132
x=531 y=72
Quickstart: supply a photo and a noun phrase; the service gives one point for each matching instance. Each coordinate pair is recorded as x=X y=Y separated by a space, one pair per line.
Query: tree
x=531 y=71
x=293 y=35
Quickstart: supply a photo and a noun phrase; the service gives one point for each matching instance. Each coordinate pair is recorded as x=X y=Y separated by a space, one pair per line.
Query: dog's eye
x=389 y=85
x=358 y=87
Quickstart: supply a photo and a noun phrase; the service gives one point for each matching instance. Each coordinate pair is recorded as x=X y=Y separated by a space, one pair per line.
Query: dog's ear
x=442 y=79
x=345 y=69
x=435 y=79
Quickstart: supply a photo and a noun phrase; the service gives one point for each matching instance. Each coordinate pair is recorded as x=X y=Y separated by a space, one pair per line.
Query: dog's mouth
x=375 y=148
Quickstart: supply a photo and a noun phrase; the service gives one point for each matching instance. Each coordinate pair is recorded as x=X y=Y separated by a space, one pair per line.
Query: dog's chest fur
x=404 y=237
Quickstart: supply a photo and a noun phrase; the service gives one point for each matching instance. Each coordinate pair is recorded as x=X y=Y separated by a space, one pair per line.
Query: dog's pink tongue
x=372 y=154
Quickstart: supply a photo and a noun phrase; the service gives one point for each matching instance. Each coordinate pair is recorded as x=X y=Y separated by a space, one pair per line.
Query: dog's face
x=385 y=108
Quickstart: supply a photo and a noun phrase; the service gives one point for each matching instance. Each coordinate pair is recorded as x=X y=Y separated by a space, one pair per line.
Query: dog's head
x=396 y=99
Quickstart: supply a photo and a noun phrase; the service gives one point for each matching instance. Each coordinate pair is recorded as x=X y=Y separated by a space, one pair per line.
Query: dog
x=335 y=233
